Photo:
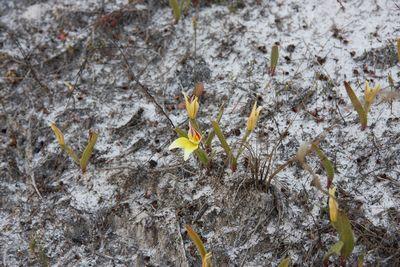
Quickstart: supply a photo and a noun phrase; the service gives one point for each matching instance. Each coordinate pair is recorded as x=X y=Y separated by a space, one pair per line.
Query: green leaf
x=88 y=150
x=59 y=135
x=202 y=156
x=362 y=114
x=335 y=249
x=326 y=163
x=285 y=262
x=212 y=133
x=180 y=132
x=60 y=139
x=176 y=9
x=343 y=226
x=71 y=153
x=398 y=49
x=360 y=260
x=222 y=139
x=274 y=58
x=225 y=146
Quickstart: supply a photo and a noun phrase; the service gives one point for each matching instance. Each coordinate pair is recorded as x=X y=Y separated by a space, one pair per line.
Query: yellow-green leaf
x=326 y=163
x=398 y=49
x=285 y=262
x=71 y=153
x=206 y=260
x=176 y=9
x=88 y=150
x=343 y=227
x=212 y=133
x=181 y=132
x=391 y=81
x=222 y=138
x=335 y=249
x=59 y=135
x=202 y=156
x=197 y=241
x=357 y=105
x=274 y=58
x=360 y=260
x=60 y=139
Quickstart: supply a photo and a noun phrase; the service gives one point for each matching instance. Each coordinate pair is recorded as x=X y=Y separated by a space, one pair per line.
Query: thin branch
x=144 y=89
x=27 y=63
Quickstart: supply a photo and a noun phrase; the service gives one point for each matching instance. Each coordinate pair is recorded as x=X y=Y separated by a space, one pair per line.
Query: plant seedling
x=84 y=159
x=369 y=97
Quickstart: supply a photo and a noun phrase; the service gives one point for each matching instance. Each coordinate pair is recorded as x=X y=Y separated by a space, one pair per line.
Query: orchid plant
x=192 y=142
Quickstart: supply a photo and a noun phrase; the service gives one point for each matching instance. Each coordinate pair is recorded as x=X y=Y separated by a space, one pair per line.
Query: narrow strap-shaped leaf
x=357 y=105
x=360 y=260
x=343 y=226
x=334 y=249
x=88 y=150
x=206 y=260
x=330 y=170
x=202 y=156
x=398 y=49
x=60 y=139
x=212 y=133
x=72 y=154
x=59 y=135
x=176 y=9
x=391 y=81
x=285 y=262
x=222 y=139
x=274 y=59
x=180 y=132
x=197 y=241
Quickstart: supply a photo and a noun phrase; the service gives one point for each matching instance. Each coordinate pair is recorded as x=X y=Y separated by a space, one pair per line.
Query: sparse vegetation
x=341 y=223
x=272 y=168
x=87 y=152
x=191 y=142
x=369 y=98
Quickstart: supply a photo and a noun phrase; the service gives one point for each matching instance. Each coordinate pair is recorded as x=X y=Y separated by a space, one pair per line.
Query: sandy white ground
x=126 y=211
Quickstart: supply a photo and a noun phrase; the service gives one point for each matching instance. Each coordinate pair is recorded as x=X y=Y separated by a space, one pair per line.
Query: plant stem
x=244 y=140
